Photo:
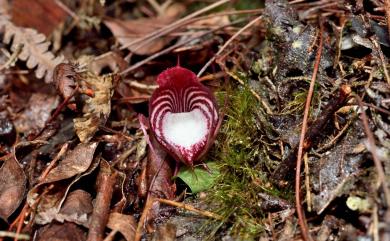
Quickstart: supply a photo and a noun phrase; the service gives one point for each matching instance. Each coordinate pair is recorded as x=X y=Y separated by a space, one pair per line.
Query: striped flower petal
x=183 y=115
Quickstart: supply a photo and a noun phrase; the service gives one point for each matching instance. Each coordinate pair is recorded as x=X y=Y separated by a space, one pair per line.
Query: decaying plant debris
x=303 y=89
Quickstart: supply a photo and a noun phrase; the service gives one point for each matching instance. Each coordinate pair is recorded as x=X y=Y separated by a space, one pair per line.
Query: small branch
x=387 y=9
x=142 y=220
x=161 y=32
x=101 y=211
x=230 y=40
x=18 y=236
x=283 y=173
x=381 y=57
x=372 y=149
x=301 y=216
x=190 y=208
x=256 y=95
x=173 y=47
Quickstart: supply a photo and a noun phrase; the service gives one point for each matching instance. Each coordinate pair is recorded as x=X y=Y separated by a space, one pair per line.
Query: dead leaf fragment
x=125 y=224
x=60 y=232
x=34 y=117
x=77 y=208
x=76 y=162
x=97 y=108
x=130 y=30
x=42 y=15
x=126 y=31
x=12 y=186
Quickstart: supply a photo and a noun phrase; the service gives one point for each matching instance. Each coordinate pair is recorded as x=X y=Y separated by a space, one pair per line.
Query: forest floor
x=291 y=99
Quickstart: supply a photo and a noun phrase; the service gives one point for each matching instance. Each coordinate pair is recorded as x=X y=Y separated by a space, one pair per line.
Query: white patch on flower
x=185 y=129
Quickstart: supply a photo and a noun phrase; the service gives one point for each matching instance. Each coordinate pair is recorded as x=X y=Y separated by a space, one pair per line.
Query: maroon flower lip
x=183 y=115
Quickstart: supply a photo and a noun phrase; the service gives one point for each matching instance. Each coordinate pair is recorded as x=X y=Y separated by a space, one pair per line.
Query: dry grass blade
x=35 y=49
x=373 y=149
x=301 y=216
x=175 y=46
x=227 y=44
x=161 y=32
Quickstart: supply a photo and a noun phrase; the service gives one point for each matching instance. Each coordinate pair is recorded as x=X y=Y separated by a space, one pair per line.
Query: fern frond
x=35 y=49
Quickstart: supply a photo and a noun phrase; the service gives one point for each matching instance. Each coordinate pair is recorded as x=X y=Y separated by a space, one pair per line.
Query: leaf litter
x=80 y=161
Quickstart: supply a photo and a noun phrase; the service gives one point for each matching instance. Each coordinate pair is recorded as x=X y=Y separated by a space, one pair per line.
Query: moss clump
x=240 y=154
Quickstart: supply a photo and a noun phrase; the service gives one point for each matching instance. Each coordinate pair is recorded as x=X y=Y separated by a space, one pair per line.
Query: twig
x=169 y=49
x=53 y=162
x=283 y=173
x=189 y=208
x=101 y=210
x=307 y=182
x=160 y=32
x=387 y=9
x=381 y=57
x=256 y=95
x=19 y=236
x=372 y=149
x=227 y=44
x=142 y=220
x=335 y=139
x=301 y=217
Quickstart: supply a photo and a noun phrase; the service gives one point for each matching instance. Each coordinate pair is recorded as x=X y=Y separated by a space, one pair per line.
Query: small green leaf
x=199 y=179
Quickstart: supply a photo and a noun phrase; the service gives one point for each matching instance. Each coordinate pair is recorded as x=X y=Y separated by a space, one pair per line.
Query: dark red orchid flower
x=183 y=115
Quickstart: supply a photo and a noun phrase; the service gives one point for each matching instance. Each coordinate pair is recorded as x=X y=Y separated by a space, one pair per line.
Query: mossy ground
x=243 y=168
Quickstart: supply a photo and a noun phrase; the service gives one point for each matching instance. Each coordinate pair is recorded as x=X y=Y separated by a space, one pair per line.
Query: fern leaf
x=35 y=49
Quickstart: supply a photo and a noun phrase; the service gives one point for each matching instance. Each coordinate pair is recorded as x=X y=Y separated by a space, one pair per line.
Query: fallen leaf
x=12 y=186
x=42 y=15
x=76 y=208
x=76 y=162
x=126 y=31
x=125 y=224
x=60 y=232
x=199 y=179
x=35 y=115
x=96 y=108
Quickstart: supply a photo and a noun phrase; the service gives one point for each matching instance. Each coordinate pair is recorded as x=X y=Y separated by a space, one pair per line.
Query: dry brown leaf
x=97 y=108
x=125 y=224
x=77 y=162
x=77 y=208
x=38 y=111
x=60 y=232
x=126 y=31
x=42 y=15
x=12 y=186
x=34 y=48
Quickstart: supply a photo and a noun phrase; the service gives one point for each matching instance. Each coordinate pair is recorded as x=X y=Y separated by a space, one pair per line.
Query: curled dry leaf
x=12 y=186
x=65 y=78
x=77 y=208
x=127 y=31
x=60 y=232
x=38 y=111
x=37 y=15
x=77 y=162
x=96 y=108
x=125 y=224
x=35 y=49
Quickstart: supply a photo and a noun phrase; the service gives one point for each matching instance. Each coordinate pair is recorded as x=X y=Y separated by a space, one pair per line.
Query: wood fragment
x=101 y=211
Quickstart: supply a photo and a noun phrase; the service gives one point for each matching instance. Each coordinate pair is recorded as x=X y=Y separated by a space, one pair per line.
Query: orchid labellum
x=183 y=115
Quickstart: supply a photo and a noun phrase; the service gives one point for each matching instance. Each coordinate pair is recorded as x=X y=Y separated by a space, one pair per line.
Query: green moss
x=242 y=158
